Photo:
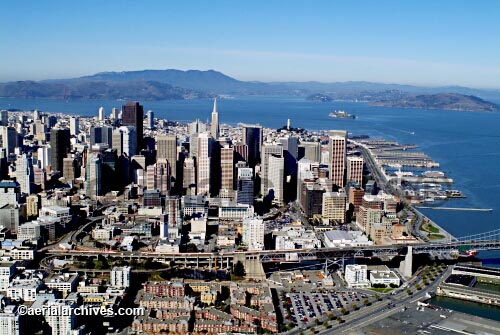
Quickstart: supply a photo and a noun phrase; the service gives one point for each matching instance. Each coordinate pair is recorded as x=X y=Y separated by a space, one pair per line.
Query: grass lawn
x=432 y=229
x=436 y=236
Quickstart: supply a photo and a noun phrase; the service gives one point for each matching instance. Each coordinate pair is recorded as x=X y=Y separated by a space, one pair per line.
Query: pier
x=457 y=209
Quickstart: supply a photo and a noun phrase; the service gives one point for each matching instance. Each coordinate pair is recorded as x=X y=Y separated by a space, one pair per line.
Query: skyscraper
x=24 y=173
x=244 y=184
x=189 y=173
x=4 y=118
x=337 y=146
x=101 y=114
x=355 y=170
x=74 y=126
x=124 y=140
x=166 y=148
x=133 y=115
x=151 y=119
x=60 y=146
x=203 y=163
x=158 y=176
x=214 y=126
x=226 y=167
x=276 y=177
x=268 y=151
x=93 y=178
x=252 y=137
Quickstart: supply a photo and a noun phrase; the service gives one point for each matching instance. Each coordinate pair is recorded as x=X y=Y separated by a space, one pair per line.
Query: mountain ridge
x=204 y=83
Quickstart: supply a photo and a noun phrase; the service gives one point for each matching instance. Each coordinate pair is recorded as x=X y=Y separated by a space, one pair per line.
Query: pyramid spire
x=215 y=106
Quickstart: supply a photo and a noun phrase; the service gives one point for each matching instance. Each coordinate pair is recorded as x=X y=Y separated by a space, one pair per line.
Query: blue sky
x=415 y=42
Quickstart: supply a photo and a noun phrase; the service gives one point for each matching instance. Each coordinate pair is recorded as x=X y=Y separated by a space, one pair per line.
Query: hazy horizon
x=427 y=43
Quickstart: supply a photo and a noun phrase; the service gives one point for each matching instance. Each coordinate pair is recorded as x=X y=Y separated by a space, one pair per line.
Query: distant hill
x=87 y=89
x=445 y=101
x=192 y=84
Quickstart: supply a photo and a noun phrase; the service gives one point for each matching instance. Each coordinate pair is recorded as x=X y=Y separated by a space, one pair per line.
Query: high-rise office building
x=253 y=233
x=24 y=173
x=244 y=184
x=226 y=167
x=93 y=178
x=60 y=146
x=74 y=126
x=276 y=176
x=189 y=173
x=133 y=115
x=44 y=154
x=151 y=119
x=8 y=138
x=334 y=206
x=173 y=210
x=252 y=137
x=70 y=169
x=337 y=146
x=203 y=163
x=124 y=140
x=355 y=170
x=268 y=151
x=101 y=114
x=310 y=150
x=214 y=126
x=166 y=148
x=4 y=118
x=240 y=152
x=11 y=323
x=158 y=176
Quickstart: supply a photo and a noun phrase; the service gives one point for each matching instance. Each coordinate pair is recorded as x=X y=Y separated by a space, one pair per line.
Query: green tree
x=239 y=269
x=367 y=302
x=331 y=316
x=340 y=320
x=344 y=311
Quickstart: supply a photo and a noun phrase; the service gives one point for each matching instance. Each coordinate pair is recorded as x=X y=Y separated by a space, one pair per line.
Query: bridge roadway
x=221 y=259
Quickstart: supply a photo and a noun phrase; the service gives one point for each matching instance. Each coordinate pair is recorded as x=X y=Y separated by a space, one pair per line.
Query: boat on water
x=340 y=114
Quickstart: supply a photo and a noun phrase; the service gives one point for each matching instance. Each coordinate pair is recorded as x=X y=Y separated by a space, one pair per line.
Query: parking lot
x=307 y=306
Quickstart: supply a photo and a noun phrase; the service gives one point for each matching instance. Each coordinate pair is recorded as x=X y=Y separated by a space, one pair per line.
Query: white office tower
x=4 y=118
x=253 y=233
x=267 y=151
x=24 y=174
x=197 y=127
x=150 y=119
x=337 y=156
x=44 y=156
x=36 y=115
x=203 y=163
x=276 y=175
x=114 y=114
x=120 y=276
x=64 y=321
x=101 y=114
x=355 y=170
x=10 y=323
x=93 y=179
x=125 y=141
x=356 y=275
x=8 y=138
x=74 y=125
x=214 y=126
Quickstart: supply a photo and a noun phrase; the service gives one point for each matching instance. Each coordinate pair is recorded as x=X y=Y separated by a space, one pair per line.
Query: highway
x=379 y=310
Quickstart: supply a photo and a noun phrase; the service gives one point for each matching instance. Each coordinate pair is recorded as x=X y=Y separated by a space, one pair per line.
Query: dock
x=457 y=209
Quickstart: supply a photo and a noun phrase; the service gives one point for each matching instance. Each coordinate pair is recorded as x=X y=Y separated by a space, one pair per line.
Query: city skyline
x=427 y=43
